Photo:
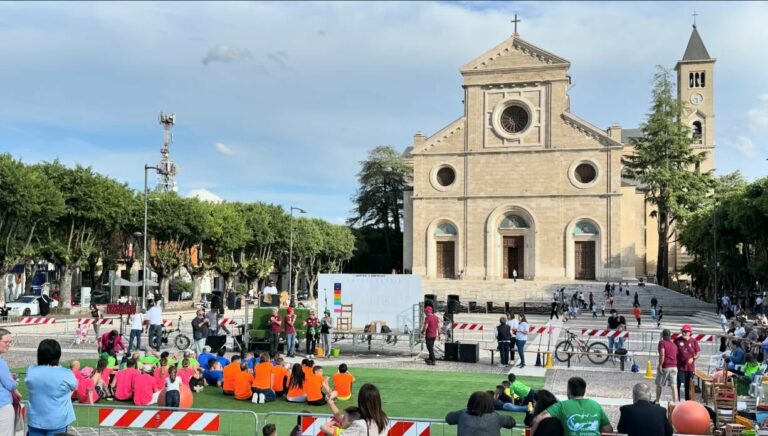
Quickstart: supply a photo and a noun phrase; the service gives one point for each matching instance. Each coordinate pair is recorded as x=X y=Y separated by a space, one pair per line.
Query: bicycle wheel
x=182 y=342
x=563 y=351
x=598 y=353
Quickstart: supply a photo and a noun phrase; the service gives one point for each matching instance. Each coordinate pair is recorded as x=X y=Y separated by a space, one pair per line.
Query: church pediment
x=514 y=53
x=449 y=138
x=589 y=130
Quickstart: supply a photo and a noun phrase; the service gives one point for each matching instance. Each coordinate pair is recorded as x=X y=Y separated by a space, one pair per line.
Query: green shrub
x=180 y=289
x=240 y=288
x=260 y=329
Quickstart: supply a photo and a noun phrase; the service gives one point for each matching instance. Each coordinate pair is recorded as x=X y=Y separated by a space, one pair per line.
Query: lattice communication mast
x=166 y=177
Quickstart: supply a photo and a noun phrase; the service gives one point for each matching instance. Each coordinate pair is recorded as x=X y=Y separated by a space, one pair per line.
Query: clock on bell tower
x=695 y=88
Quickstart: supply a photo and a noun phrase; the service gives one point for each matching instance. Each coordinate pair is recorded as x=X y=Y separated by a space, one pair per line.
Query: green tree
x=29 y=201
x=228 y=239
x=95 y=206
x=384 y=176
x=268 y=225
x=664 y=161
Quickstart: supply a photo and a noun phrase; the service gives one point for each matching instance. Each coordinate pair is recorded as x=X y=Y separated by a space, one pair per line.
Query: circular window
x=514 y=119
x=585 y=173
x=446 y=176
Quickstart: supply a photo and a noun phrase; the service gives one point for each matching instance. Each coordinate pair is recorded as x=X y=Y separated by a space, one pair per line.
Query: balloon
x=185 y=399
x=690 y=417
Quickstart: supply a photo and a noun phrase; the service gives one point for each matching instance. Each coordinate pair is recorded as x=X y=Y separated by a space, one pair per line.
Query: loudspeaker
x=453 y=303
x=451 y=352
x=216 y=342
x=429 y=301
x=469 y=353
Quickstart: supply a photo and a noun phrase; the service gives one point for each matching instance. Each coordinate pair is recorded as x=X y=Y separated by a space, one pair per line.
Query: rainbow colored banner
x=337 y=298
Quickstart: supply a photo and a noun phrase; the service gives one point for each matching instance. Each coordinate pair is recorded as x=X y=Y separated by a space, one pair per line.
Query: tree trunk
x=663 y=253
x=65 y=287
x=229 y=280
x=197 y=280
x=165 y=286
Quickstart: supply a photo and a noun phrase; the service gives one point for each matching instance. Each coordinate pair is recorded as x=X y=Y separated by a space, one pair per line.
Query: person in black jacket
x=643 y=417
x=504 y=337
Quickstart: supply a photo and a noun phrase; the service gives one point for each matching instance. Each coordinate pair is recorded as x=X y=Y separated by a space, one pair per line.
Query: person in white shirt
x=155 y=317
x=512 y=323
x=521 y=337
x=269 y=292
x=137 y=326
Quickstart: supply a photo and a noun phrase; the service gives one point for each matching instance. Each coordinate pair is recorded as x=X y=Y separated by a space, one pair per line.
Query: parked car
x=28 y=305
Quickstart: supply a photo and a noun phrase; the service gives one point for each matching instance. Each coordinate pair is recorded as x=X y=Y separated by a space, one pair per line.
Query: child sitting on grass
x=341 y=420
x=315 y=384
x=342 y=382
x=502 y=401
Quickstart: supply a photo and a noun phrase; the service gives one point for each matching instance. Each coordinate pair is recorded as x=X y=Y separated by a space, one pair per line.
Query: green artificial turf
x=405 y=393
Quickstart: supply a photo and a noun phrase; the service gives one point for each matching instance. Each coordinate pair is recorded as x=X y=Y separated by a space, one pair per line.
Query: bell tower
x=695 y=88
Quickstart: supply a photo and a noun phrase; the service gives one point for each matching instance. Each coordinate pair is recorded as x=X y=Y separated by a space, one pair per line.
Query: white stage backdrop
x=386 y=297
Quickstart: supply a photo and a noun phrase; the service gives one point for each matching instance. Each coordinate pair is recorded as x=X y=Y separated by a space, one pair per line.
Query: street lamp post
x=144 y=257
x=290 y=258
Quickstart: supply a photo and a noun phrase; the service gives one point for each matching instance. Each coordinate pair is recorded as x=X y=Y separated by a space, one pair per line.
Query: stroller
x=81 y=334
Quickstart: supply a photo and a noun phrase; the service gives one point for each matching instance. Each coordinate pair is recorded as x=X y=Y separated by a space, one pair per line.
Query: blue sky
x=279 y=102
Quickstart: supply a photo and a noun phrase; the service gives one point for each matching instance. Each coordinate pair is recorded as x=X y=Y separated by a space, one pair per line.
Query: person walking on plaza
x=137 y=326
x=199 y=331
x=96 y=316
x=431 y=331
x=504 y=338
x=50 y=390
x=654 y=302
x=659 y=316
x=275 y=326
x=155 y=317
x=578 y=415
x=666 y=374
x=521 y=337
x=8 y=387
x=553 y=311
x=615 y=322
x=290 y=333
x=638 y=313
x=688 y=352
x=514 y=275
x=642 y=418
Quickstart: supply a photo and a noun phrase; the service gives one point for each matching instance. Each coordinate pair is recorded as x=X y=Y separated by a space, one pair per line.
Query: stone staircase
x=479 y=292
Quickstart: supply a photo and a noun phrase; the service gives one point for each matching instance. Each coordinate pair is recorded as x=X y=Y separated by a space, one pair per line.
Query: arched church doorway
x=586 y=244
x=445 y=251
x=513 y=231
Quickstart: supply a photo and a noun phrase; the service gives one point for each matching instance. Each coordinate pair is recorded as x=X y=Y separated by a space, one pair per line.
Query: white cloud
x=204 y=195
x=224 y=149
x=744 y=145
x=226 y=53
x=758 y=116
x=763 y=98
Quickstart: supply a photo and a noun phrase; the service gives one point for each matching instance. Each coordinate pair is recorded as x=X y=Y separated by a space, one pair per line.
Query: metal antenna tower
x=166 y=174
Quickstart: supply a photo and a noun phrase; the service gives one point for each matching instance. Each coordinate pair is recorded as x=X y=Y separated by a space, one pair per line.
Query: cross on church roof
x=694 y=17
x=515 y=21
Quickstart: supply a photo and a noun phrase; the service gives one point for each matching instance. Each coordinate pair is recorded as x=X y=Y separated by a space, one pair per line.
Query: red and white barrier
x=698 y=338
x=91 y=321
x=605 y=333
x=36 y=320
x=537 y=330
x=159 y=419
x=310 y=426
x=167 y=323
x=467 y=326
x=226 y=321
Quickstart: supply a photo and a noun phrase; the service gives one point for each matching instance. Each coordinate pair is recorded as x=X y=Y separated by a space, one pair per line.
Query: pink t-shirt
x=106 y=373
x=124 y=383
x=144 y=387
x=432 y=326
x=86 y=390
x=670 y=354
x=185 y=374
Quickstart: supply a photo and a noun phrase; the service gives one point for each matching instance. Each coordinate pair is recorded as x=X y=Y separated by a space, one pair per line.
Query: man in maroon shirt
x=431 y=331
x=666 y=374
x=687 y=352
x=275 y=326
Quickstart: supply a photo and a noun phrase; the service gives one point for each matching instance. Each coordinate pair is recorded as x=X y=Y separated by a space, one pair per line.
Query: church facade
x=519 y=186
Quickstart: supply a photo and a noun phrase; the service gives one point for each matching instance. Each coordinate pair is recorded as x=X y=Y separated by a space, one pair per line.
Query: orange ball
x=185 y=397
x=690 y=417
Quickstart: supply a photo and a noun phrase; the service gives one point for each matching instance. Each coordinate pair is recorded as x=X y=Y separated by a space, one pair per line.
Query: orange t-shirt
x=307 y=371
x=313 y=385
x=279 y=374
x=342 y=383
x=295 y=391
x=262 y=376
x=637 y=312
x=243 y=381
x=230 y=372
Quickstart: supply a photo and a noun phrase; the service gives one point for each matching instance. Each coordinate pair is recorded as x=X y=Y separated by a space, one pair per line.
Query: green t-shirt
x=583 y=417
x=149 y=360
x=192 y=362
x=751 y=369
x=111 y=362
x=519 y=389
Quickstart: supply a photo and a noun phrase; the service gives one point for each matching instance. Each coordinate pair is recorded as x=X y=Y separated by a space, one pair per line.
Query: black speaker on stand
x=451 y=352
x=454 y=305
x=429 y=301
x=469 y=353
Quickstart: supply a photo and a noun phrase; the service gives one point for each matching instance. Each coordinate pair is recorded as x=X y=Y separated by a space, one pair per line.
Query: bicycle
x=181 y=341
x=597 y=352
